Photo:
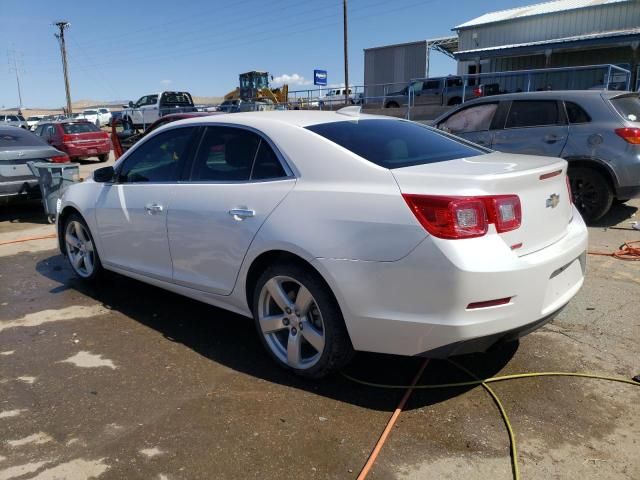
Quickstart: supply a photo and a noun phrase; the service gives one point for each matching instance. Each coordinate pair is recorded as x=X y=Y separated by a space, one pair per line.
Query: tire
x=98 y=123
x=392 y=105
x=310 y=339
x=454 y=101
x=103 y=158
x=80 y=249
x=591 y=191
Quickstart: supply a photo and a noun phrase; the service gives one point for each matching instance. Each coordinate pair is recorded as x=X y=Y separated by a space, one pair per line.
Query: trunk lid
x=84 y=134
x=540 y=182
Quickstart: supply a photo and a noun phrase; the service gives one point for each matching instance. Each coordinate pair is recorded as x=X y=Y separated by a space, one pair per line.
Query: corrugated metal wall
x=601 y=18
x=394 y=64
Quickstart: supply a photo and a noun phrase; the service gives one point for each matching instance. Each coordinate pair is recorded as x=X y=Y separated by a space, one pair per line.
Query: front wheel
x=299 y=321
x=80 y=248
x=592 y=194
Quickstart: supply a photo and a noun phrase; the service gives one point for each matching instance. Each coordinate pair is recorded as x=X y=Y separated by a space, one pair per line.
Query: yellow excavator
x=254 y=86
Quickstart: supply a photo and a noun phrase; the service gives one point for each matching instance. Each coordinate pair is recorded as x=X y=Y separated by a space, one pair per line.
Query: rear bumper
x=90 y=151
x=22 y=188
x=419 y=304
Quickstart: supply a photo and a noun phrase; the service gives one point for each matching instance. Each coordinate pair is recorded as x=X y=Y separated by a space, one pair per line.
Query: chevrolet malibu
x=336 y=232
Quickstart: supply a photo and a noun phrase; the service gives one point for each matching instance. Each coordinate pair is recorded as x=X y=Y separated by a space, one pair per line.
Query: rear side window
x=394 y=143
x=628 y=107
x=225 y=154
x=528 y=113
x=576 y=114
x=19 y=138
x=473 y=119
x=81 y=127
x=266 y=164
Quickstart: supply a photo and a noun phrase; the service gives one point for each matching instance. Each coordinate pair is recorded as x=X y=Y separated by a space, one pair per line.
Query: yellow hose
x=496 y=399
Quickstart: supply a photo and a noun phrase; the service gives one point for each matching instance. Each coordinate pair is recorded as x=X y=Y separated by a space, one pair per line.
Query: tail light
x=630 y=135
x=478 y=91
x=60 y=159
x=67 y=138
x=465 y=217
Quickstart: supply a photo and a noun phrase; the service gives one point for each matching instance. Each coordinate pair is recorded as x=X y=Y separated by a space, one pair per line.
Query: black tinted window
x=394 y=143
x=159 y=159
x=82 y=127
x=17 y=137
x=225 y=154
x=576 y=113
x=531 y=113
x=472 y=119
x=176 y=98
x=266 y=164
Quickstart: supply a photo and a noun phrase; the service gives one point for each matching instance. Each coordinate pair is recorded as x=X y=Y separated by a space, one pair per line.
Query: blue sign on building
x=320 y=77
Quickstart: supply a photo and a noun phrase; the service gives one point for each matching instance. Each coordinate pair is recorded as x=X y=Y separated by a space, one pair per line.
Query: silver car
x=14 y=121
x=598 y=132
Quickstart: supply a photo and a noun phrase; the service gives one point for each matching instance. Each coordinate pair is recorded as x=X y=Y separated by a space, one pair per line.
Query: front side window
x=395 y=143
x=431 y=85
x=473 y=119
x=533 y=113
x=159 y=159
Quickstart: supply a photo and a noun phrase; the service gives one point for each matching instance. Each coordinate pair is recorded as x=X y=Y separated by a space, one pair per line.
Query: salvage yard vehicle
x=79 y=139
x=432 y=91
x=336 y=232
x=32 y=121
x=597 y=132
x=14 y=121
x=17 y=147
x=150 y=108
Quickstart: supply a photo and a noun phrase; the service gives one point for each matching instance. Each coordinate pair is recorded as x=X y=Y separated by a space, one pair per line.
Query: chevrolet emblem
x=553 y=200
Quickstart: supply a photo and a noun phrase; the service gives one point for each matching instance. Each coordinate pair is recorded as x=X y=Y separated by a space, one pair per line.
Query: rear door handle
x=552 y=138
x=242 y=213
x=153 y=208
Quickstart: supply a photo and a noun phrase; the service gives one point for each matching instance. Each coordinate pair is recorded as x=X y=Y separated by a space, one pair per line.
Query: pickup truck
x=150 y=108
x=336 y=96
x=432 y=91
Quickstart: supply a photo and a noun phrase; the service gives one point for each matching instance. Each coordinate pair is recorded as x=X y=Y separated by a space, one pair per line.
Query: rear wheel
x=103 y=158
x=455 y=101
x=299 y=321
x=80 y=248
x=392 y=105
x=592 y=193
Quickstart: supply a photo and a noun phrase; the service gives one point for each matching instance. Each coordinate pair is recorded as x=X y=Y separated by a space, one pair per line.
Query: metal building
x=561 y=33
x=391 y=67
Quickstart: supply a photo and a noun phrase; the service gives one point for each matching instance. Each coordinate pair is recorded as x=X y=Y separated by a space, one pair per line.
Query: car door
x=236 y=181
x=150 y=110
x=472 y=123
x=431 y=93
x=535 y=127
x=137 y=113
x=131 y=213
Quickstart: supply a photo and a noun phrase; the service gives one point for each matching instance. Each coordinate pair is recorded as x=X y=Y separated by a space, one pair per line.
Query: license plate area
x=561 y=282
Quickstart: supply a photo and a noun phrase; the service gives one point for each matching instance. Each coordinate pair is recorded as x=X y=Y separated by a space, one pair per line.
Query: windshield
x=628 y=106
x=394 y=143
x=80 y=127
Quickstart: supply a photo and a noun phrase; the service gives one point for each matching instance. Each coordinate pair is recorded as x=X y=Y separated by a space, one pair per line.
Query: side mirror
x=104 y=175
x=130 y=104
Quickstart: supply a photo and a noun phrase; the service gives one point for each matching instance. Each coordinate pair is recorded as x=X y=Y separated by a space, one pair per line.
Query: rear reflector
x=489 y=303
x=465 y=217
x=60 y=159
x=630 y=135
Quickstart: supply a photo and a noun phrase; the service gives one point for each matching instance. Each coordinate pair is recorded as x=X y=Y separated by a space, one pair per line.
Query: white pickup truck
x=150 y=108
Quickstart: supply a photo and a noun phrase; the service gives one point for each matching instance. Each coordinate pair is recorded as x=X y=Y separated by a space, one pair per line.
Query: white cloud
x=291 y=80
x=166 y=83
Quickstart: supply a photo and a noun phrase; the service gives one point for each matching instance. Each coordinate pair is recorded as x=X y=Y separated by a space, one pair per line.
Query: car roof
x=300 y=118
x=564 y=94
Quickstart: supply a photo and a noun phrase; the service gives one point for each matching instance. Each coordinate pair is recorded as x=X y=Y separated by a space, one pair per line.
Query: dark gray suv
x=597 y=132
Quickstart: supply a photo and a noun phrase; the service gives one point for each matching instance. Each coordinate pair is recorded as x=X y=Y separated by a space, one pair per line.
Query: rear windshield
x=80 y=127
x=394 y=143
x=176 y=98
x=628 y=106
x=90 y=112
x=19 y=138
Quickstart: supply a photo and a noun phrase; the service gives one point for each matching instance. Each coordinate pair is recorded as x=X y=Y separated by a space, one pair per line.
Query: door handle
x=241 y=213
x=153 y=208
x=551 y=138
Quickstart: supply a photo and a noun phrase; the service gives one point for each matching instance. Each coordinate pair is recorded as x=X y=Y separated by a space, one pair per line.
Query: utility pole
x=63 y=51
x=13 y=67
x=346 y=54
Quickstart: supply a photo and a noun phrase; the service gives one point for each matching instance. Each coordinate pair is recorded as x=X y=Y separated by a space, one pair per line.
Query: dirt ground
x=123 y=380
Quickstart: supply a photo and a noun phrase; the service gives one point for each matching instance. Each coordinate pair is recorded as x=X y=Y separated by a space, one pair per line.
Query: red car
x=77 y=138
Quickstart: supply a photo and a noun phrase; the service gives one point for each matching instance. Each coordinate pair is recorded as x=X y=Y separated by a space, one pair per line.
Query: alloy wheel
x=585 y=195
x=80 y=250
x=291 y=322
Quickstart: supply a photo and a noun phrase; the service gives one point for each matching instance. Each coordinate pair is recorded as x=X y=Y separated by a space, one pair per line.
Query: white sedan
x=336 y=232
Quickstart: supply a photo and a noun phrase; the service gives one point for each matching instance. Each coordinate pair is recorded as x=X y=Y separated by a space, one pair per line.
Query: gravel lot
x=123 y=380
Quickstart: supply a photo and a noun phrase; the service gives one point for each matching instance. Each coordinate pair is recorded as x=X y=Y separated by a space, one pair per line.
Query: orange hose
x=626 y=252
x=20 y=240
x=392 y=421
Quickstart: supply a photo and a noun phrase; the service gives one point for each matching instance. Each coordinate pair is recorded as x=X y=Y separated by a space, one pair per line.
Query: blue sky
x=121 y=50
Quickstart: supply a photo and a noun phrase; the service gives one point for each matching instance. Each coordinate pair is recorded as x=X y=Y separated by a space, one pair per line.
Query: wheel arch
x=598 y=165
